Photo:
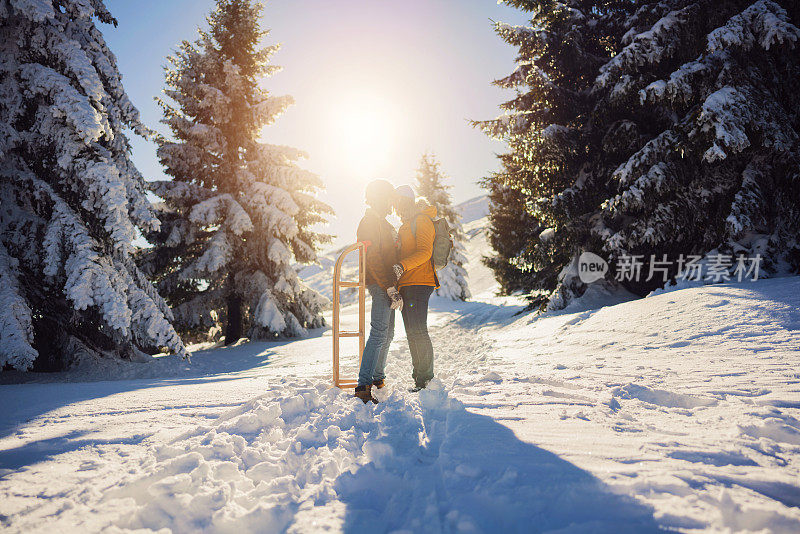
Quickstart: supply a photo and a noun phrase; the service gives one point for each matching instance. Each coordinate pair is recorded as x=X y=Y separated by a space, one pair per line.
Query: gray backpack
x=442 y=242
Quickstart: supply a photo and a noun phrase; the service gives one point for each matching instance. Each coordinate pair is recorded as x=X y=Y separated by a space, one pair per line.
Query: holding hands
x=394 y=296
x=398 y=270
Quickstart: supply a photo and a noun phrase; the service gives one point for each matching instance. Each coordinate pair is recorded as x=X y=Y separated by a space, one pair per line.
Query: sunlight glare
x=365 y=133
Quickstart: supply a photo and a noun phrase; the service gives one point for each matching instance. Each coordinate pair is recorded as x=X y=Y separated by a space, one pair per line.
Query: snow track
x=316 y=460
x=668 y=412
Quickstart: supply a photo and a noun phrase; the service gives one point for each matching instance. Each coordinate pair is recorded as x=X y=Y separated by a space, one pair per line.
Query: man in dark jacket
x=381 y=253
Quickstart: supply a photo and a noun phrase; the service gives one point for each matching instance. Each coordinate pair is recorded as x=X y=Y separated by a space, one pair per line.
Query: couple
x=400 y=276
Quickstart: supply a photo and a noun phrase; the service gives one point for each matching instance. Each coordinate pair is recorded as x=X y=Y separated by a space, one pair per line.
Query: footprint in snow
x=678 y=344
x=492 y=376
x=667 y=399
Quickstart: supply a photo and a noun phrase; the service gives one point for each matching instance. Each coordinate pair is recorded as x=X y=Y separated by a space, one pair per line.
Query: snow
x=679 y=86
x=553 y=131
x=474 y=209
x=728 y=127
x=16 y=327
x=764 y=22
x=267 y=313
x=38 y=10
x=217 y=255
x=679 y=411
x=547 y=234
x=221 y=208
x=646 y=48
x=68 y=103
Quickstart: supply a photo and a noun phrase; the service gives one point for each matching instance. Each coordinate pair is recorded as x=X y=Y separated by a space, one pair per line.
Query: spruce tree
x=71 y=200
x=649 y=129
x=553 y=169
x=720 y=173
x=510 y=229
x=237 y=212
x=430 y=184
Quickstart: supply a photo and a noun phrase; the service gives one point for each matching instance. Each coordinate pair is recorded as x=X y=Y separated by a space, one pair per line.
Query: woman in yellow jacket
x=416 y=278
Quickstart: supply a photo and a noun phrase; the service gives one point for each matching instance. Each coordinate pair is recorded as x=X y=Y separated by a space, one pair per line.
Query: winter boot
x=365 y=394
x=378 y=384
x=417 y=387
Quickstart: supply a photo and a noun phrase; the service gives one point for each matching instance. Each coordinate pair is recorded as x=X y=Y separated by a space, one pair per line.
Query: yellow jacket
x=416 y=251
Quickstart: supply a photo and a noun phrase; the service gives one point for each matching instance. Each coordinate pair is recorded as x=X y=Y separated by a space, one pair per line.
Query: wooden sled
x=362 y=287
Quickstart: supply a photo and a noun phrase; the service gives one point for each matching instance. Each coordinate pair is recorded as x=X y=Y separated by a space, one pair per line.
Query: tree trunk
x=233 y=327
x=50 y=341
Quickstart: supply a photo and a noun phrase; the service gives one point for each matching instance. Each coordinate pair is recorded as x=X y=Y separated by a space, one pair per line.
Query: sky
x=376 y=84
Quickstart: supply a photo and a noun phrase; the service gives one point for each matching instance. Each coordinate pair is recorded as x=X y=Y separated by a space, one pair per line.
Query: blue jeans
x=381 y=332
x=415 y=319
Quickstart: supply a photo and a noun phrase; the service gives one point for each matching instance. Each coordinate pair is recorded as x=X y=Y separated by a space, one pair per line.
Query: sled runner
x=362 y=286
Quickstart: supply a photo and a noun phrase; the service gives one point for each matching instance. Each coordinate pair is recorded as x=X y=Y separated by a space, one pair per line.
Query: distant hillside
x=474 y=209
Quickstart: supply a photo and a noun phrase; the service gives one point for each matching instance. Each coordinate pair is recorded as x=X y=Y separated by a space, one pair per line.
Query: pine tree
x=430 y=185
x=237 y=212
x=721 y=172
x=71 y=200
x=510 y=229
x=662 y=127
x=554 y=170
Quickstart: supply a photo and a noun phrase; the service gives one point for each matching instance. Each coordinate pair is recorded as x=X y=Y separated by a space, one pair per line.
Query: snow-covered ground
x=679 y=411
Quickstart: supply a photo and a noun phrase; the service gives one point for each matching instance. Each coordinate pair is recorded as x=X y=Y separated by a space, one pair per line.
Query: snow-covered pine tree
x=70 y=197
x=555 y=133
x=430 y=185
x=237 y=212
x=721 y=169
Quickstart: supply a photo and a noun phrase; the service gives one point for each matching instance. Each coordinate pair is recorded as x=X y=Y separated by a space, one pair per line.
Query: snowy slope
x=679 y=411
x=481 y=280
x=474 y=209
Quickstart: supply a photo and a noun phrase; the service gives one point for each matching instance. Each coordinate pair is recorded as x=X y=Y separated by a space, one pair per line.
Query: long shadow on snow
x=207 y=362
x=39 y=451
x=472 y=474
x=765 y=294
x=475 y=314
x=45 y=392
x=24 y=402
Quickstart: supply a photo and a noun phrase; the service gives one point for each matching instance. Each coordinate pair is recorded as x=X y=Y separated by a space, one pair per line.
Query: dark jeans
x=415 y=319
x=381 y=332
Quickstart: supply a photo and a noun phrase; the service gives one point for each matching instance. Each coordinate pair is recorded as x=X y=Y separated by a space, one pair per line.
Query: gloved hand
x=398 y=270
x=394 y=296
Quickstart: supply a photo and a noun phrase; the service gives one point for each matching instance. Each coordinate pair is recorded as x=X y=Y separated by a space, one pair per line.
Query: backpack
x=442 y=242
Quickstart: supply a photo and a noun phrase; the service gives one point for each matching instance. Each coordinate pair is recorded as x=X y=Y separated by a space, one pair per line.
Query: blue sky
x=423 y=68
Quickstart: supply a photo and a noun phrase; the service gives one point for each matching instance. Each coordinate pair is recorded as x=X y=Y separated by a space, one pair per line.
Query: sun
x=365 y=135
